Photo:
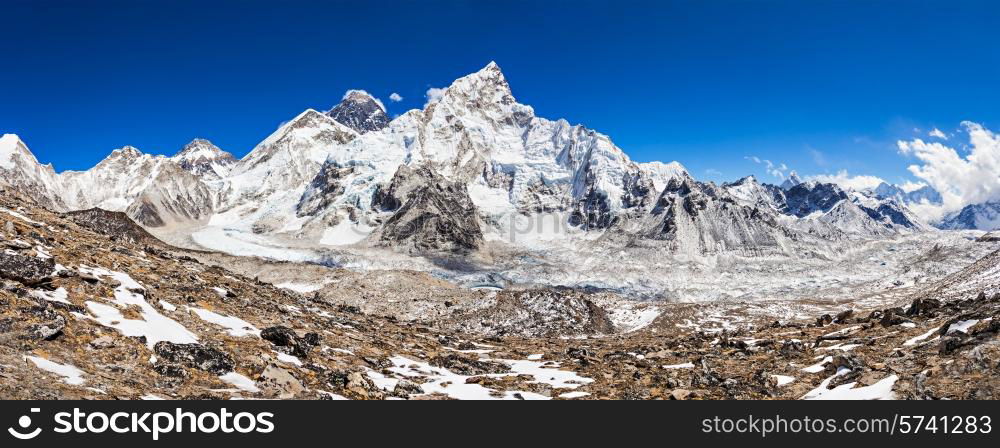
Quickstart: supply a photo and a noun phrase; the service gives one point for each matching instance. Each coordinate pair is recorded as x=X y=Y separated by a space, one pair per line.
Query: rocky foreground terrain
x=93 y=307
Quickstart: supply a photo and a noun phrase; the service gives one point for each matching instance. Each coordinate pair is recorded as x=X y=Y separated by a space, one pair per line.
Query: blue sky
x=820 y=86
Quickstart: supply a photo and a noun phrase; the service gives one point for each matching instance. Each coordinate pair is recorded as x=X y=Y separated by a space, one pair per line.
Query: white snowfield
x=154 y=326
x=235 y=326
x=881 y=390
x=443 y=381
x=70 y=375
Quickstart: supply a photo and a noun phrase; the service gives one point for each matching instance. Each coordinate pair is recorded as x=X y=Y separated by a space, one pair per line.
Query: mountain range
x=452 y=177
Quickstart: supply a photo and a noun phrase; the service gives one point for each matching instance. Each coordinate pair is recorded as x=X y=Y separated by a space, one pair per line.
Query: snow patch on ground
x=881 y=390
x=59 y=295
x=71 y=375
x=241 y=382
x=286 y=358
x=235 y=326
x=963 y=326
x=439 y=380
x=451 y=384
x=783 y=380
x=21 y=217
x=547 y=373
x=303 y=288
x=574 y=394
x=819 y=367
x=686 y=365
x=154 y=326
x=917 y=339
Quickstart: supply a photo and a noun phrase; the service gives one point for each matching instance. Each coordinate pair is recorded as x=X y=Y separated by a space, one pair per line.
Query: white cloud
x=362 y=92
x=910 y=186
x=962 y=181
x=846 y=180
x=395 y=97
x=713 y=172
x=818 y=158
x=776 y=170
x=434 y=94
x=937 y=134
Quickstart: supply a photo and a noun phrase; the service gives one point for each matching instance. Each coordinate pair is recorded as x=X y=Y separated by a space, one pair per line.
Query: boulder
x=289 y=342
x=279 y=381
x=196 y=356
x=29 y=271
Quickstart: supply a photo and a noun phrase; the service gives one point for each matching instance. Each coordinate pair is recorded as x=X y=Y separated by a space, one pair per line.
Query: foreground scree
x=95 y=307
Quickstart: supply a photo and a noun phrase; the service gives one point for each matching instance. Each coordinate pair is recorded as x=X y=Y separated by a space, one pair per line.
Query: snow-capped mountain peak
x=487 y=86
x=297 y=135
x=199 y=148
x=127 y=151
x=202 y=158
x=11 y=147
x=925 y=193
x=985 y=216
x=661 y=173
x=793 y=180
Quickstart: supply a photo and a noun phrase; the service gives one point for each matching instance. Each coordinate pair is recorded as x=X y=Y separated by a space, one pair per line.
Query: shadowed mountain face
x=430 y=213
x=116 y=226
x=985 y=216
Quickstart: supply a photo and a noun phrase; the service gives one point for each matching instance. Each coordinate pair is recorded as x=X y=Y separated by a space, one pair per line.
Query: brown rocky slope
x=91 y=312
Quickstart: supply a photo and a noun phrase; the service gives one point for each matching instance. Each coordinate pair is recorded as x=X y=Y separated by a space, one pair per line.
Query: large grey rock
x=29 y=271
x=196 y=356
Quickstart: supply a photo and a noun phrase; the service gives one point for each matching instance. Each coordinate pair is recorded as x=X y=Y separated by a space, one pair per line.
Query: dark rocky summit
x=361 y=112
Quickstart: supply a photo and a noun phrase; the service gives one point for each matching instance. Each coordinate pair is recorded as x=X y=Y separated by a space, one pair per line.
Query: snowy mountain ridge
x=985 y=216
x=340 y=177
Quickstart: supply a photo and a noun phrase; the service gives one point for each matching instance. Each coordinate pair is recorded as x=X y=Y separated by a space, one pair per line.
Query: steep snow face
x=264 y=187
x=203 y=159
x=112 y=183
x=360 y=111
x=984 y=216
x=661 y=173
x=20 y=169
x=752 y=193
x=793 y=180
x=920 y=195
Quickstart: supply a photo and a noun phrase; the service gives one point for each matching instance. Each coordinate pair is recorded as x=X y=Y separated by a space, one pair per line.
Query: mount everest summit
x=456 y=176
